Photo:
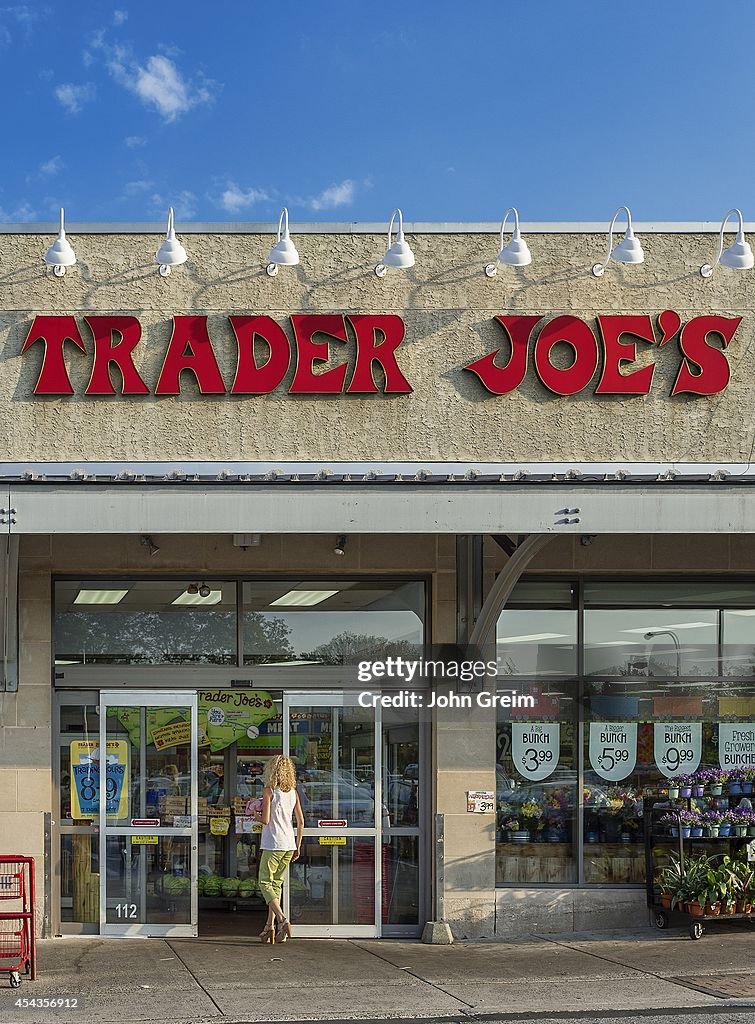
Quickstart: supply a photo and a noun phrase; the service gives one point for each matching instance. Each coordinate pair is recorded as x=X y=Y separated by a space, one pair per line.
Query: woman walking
x=280 y=802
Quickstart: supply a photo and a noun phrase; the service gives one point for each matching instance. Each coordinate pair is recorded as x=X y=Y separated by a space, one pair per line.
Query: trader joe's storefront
x=164 y=840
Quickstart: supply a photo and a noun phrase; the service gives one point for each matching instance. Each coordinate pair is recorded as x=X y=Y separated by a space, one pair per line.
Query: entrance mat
x=724 y=986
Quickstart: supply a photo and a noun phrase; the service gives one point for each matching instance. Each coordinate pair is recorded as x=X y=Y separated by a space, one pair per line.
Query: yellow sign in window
x=144 y=840
x=332 y=840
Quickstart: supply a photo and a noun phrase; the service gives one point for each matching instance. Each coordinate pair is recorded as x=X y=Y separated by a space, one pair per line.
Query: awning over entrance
x=451 y=498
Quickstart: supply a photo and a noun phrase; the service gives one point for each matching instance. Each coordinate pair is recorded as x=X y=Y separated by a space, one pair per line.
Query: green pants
x=272 y=871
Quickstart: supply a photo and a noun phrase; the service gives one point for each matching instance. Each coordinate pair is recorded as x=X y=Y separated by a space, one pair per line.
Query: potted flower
x=531 y=814
x=714 y=779
x=748 y=780
x=735 y=784
x=685 y=787
x=712 y=823
x=741 y=818
x=673 y=789
x=515 y=831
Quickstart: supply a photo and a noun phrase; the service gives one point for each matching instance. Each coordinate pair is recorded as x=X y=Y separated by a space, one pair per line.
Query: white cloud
x=159 y=84
x=234 y=199
x=18 y=215
x=184 y=204
x=135 y=141
x=73 y=97
x=52 y=166
x=119 y=17
x=335 y=195
x=135 y=188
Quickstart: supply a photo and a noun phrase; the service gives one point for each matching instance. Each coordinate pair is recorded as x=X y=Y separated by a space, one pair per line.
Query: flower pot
x=716 y=789
x=713 y=831
x=673 y=792
x=666 y=899
x=698 y=790
x=740 y=831
x=696 y=831
x=724 y=830
x=712 y=909
x=685 y=792
x=695 y=910
x=751 y=830
x=522 y=836
x=728 y=908
x=747 y=788
x=742 y=907
x=735 y=789
x=686 y=830
x=674 y=831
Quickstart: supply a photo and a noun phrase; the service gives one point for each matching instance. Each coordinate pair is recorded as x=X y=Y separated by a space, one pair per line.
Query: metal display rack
x=655 y=835
x=18 y=945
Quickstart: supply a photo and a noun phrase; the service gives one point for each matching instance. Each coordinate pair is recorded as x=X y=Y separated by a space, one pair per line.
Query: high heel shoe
x=268 y=935
x=283 y=932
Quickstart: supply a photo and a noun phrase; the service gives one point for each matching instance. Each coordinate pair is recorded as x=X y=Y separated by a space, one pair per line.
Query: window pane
x=690 y=593
x=671 y=729
x=145 y=622
x=651 y=642
x=738 y=653
x=537 y=642
x=536 y=782
x=331 y=622
x=551 y=593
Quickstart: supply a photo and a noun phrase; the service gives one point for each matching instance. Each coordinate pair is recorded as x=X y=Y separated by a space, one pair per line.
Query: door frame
x=339 y=699
x=144 y=699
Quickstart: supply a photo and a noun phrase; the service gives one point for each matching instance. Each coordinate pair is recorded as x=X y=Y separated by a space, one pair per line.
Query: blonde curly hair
x=280 y=773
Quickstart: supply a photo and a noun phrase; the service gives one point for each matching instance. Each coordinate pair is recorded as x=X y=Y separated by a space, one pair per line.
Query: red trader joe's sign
x=372 y=342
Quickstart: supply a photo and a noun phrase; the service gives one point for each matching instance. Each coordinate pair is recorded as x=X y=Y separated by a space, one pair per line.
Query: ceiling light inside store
x=213 y=597
x=531 y=637
x=302 y=598
x=100 y=596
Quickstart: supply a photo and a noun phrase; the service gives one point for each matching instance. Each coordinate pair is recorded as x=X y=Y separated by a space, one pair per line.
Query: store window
x=145 y=622
x=331 y=622
x=537 y=788
x=664 y=681
x=537 y=631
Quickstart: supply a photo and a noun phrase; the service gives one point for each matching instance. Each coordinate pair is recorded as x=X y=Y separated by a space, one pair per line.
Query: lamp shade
x=628 y=250
x=171 y=253
x=398 y=254
x=516 y=253
x=60 y=253
x=283 y=253
x=739 y=254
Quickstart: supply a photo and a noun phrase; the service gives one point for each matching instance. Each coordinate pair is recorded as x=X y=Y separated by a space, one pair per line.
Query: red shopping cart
x=17 y=932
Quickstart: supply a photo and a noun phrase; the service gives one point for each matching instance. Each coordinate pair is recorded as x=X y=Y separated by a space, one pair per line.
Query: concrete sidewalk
x=234 y=980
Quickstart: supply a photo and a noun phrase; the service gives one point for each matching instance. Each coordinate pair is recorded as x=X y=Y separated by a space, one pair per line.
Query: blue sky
x=343 y=110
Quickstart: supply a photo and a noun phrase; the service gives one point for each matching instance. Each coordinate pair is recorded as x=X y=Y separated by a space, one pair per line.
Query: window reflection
x=331 y=622
x=146 y=622
x=651 y=642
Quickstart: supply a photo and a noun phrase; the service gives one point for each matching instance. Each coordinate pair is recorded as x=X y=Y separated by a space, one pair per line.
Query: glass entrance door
x=146 y=799
x=335 y=887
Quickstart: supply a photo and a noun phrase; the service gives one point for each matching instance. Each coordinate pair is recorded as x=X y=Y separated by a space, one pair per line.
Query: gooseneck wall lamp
x=628 y=250
x=60 y=254
x=739 y=254
x=398 y=254
x=171 y=253
x=516 y=253
x=283 y=253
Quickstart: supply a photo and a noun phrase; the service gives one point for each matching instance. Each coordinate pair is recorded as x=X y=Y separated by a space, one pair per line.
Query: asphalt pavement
x=647 y=976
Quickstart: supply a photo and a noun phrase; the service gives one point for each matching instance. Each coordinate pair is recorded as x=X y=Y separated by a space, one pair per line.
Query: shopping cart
x=17 y=934
x=14 y=950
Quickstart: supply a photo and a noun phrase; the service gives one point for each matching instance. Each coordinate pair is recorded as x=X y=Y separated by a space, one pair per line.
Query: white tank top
x=279 y=834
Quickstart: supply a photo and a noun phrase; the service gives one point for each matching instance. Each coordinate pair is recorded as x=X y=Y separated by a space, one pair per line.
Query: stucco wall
x=448 y=305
